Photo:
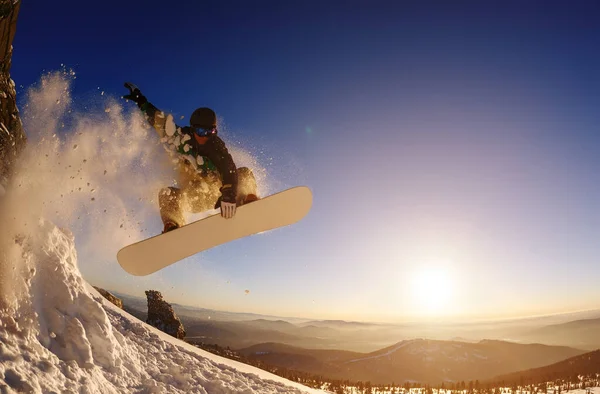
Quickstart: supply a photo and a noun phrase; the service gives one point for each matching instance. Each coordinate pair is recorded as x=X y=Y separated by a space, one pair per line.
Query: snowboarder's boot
x=250 y=198
x=170 y=226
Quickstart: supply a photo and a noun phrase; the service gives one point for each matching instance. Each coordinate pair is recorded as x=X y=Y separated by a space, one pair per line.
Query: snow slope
x=58 y=335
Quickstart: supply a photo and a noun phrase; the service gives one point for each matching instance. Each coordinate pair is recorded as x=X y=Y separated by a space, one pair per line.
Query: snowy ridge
x=389 y=352
x=58 y=335
x=430 y=350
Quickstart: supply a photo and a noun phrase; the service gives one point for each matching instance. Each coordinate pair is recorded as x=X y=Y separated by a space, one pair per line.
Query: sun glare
x=432 y=290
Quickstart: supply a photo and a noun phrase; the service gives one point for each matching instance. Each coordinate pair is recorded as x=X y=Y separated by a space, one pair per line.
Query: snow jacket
x=194 y=157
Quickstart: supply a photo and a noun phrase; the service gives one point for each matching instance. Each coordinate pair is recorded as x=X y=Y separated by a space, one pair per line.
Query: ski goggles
x=204 y=132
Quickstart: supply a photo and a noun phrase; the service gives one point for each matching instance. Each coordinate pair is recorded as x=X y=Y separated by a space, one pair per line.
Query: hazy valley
x=385 y=353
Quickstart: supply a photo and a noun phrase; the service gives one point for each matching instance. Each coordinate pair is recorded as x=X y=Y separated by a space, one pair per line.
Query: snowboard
x=277 y=210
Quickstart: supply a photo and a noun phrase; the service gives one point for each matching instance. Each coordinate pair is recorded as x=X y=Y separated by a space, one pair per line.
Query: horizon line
x=473 y=318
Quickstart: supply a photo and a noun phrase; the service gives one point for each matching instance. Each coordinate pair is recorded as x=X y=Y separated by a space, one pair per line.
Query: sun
x=432 y=290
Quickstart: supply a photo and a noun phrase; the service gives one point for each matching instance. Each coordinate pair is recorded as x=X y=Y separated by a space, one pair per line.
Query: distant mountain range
x=584 y=364
x=139 y=305
x=347 y=350
x=583 y=334
x=418 y=360
x=241 y=330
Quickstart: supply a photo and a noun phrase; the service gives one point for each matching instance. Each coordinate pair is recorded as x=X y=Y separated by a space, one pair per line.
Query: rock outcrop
x=162 y=316
x=12 y=136
x=109 y=296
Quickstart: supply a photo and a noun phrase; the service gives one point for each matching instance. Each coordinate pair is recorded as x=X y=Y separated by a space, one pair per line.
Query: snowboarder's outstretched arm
x=157 y=119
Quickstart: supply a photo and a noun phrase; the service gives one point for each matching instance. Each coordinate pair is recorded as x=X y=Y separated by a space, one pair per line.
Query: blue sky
x=440 y=140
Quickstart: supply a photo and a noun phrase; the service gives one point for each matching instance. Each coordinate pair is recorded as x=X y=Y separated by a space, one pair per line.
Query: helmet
x=203 y=118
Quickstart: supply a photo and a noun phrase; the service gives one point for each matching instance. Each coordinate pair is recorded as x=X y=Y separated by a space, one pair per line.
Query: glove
x=227 y=201
x=228 y=209
x=135 y=94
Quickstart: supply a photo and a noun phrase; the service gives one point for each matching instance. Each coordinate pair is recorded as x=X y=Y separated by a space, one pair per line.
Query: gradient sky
x=455 y=139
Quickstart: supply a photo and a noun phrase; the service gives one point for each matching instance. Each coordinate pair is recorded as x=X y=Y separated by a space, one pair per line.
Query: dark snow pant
x=200 y=194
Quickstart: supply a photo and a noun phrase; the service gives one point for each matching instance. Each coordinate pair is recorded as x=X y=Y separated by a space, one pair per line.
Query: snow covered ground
x=58 y=335
x=397 y=390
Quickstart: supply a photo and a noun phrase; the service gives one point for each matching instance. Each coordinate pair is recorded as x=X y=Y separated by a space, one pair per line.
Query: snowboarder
x=208 y=177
